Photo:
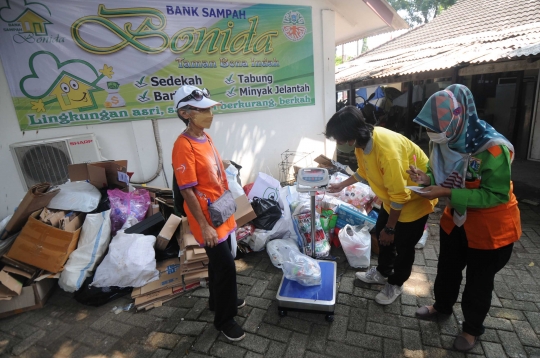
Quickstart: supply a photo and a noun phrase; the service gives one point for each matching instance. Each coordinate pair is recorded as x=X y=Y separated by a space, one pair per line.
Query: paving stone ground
x=362 y=328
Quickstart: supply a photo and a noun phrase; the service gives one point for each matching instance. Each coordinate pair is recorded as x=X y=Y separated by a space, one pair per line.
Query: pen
x=414 y=157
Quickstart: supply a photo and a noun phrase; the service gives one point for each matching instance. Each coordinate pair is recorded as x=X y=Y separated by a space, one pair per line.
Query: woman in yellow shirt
x=383 y=158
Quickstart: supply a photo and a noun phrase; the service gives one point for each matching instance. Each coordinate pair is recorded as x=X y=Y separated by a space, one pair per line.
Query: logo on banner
x=30 y=26
x=71 y=83
x=294 y=26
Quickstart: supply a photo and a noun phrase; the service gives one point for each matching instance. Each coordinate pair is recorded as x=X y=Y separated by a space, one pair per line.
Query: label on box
x=123 y=177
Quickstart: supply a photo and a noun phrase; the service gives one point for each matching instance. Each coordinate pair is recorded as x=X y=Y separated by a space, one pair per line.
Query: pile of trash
x=100 y=238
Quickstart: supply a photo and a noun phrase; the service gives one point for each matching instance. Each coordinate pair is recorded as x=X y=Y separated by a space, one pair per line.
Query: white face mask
x=439 y=138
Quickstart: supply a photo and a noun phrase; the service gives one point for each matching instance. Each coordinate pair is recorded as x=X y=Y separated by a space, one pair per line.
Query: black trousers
x=482 y=265
x=222 y=283
x=399 y=256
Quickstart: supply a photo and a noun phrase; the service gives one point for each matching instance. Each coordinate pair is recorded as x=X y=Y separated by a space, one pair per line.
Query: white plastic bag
x=130 y=262
x=356 y=244
x=76 y=196
x=93 y=242
x=259 y=238
x=302 y=269
x=266 y=187
x=279 y=250
x=234 y=187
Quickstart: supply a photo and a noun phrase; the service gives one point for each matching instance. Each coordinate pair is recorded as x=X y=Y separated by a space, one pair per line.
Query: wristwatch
x=389 y=230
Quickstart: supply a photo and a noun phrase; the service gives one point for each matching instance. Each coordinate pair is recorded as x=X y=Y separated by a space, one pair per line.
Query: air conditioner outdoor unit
x=47 y=160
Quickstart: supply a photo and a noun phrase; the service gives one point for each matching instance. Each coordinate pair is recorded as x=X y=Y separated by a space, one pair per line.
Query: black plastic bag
x=97 y=296
x=268 y=213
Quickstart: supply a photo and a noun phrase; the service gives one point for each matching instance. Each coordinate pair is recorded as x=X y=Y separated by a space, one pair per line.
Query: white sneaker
x=371 y=276
x=388 y=294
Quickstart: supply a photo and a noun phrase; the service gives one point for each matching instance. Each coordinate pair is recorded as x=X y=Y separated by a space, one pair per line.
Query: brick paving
x=183 y=326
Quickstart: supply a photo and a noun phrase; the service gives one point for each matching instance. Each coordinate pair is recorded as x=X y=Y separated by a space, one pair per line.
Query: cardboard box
x=32 y=297
x=167 y=232
x=169 y=276
x=9 y=286
x=325 y=162
x=36 y=198
x=244 y=212
x=111 y=173
x=44 y=246
x=349 y=215
x=185 y=237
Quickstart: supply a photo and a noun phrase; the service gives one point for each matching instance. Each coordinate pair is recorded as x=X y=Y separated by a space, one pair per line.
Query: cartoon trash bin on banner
x=71 y=83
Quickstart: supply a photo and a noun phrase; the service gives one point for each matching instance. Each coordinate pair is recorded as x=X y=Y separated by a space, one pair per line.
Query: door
x=534 y=148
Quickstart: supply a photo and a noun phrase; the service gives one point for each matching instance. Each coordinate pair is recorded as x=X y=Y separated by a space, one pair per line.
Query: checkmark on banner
x=143 y=98
x=229 y=80
x=230 y=93
x=140 y=83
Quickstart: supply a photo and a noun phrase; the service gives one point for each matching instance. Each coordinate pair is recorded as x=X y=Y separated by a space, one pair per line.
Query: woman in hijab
x=470 y=165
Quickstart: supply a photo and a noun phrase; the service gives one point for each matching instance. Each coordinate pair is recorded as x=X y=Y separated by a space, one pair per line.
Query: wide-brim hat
x=185 y=91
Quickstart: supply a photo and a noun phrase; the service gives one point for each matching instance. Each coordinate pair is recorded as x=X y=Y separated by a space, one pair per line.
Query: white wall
x=254 y=140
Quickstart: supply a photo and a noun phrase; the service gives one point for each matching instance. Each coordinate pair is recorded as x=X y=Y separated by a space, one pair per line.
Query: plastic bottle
x=423 y=239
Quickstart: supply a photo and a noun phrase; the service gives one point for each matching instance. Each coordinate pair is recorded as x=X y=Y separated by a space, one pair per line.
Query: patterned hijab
x=453 y=112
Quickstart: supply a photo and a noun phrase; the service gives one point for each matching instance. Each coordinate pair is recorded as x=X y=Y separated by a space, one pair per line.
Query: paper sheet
x=418 y=189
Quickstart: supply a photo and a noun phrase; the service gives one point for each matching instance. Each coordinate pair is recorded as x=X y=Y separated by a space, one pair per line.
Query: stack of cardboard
x=23 y=287
x=193 y=259
x=41 y=239
x=176 y=275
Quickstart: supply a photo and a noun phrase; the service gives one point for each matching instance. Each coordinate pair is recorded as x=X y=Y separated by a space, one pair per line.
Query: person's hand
x=335 y=187
x=418 y=176
x=434 y=192
x=209 y=235
x=385 y=239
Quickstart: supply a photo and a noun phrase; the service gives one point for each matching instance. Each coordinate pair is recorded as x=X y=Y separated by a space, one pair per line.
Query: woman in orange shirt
x=201 y=178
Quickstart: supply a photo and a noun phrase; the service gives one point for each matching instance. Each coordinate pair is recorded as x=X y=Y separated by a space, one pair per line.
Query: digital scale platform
x=291 y=295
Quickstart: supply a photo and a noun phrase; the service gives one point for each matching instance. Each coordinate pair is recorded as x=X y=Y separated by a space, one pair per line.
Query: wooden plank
x=495 y=67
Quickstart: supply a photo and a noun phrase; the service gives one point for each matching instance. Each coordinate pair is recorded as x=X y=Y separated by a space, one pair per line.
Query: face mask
x=346 y=148
x=203 y=119
x=439 y=138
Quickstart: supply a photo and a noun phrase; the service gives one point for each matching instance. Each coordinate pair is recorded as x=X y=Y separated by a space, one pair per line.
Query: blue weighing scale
x=291 y=295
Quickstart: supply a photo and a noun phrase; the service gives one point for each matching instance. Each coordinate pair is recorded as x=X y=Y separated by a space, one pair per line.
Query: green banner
x=80 y=63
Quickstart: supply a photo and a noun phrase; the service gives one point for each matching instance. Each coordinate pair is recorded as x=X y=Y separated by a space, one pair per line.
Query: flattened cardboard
x=31 y=298
x=167 y=232
x=169 y=276
x=194 y=277
x=244 y=212
x=99 y=174
x=194 y=267
x=30 y=270
x=44 y=246
x=36 y=198
x=9 y=286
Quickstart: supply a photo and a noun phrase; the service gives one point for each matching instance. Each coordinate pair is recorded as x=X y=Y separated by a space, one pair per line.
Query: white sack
x=93 y=242
x=76 y=196
x=130 y=262
x=234 y=187
x=259 y=238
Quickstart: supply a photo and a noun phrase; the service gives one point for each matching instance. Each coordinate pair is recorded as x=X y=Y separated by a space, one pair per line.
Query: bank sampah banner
x=89 y=62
